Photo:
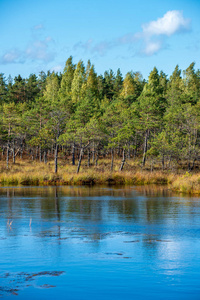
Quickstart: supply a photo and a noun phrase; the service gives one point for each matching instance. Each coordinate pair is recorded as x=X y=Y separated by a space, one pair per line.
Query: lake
x=98 y=243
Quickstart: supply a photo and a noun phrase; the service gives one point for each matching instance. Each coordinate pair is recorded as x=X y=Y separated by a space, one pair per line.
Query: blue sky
x=127 y=34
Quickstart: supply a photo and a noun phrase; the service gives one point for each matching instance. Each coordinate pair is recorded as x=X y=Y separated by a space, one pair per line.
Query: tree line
x=79 y=113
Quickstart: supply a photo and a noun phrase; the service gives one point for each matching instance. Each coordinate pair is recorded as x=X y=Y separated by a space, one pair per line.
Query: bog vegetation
x=78 y=114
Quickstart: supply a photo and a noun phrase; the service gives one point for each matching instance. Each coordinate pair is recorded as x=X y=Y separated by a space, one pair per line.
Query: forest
x=79 y=115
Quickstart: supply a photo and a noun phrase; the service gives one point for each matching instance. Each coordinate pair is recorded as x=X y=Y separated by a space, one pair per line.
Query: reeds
x=36 y=173
x=187 y=183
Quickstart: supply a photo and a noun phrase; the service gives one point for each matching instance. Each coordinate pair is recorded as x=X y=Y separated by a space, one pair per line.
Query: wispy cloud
x=12 y=56
x=152 y=37
x=38 y=26
x=86 y=46
x=38 y=49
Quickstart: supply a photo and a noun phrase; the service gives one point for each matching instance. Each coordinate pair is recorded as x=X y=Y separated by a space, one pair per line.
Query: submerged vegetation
x=77 y=127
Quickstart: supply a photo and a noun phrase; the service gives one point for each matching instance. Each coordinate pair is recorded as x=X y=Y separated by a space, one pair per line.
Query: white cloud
x=152 y=37
x=155 y=32
x=171 y=23
x=152 y=47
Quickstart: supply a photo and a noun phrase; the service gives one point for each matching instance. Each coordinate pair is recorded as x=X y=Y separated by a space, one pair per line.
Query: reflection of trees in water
x=96 y=205
x=155 y=190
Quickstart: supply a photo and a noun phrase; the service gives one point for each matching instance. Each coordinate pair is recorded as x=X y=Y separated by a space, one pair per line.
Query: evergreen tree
x=78 y=81
x=3 y=89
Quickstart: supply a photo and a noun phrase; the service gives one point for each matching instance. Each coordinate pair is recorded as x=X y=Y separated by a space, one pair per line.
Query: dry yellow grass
x=187 y=183
x=26 y=172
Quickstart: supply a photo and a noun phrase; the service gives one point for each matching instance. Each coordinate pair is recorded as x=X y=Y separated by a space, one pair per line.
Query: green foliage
x=158 y=118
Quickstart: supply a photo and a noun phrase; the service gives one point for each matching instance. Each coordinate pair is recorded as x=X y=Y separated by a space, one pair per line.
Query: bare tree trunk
x=169 y=162
x=13 y=154
x=123 y=160
x=163 y=162
x=3 y=153
x=134 y=153
x=191 y=167
x=80 y=159
x=145 y=147
x=112 y=159
x=56 y=158
x=129 y=151
x=93 y=152
x=45 y=156
x=73 y=154
x=193 y=164
x=152 y=166
x=32 y=155
x=88 y=163
x=7 y=155
x=97 y=157
x=118 y=151
x=40 y=154
x=21 y=151
x=36 y=152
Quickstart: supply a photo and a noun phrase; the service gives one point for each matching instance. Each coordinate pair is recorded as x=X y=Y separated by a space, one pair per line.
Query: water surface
x=98 y=243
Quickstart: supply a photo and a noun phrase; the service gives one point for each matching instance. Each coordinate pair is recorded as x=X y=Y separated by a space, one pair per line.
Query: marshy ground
x=29 y=172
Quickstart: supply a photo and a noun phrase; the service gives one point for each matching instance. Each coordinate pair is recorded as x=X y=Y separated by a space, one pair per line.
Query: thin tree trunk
x=88 y=163
x=169 y=162
x=21 y=151
x=163 y=162
x=134 y=153
x=193 y=164
x=7 y=155
x=56 y=158
x=36 y=152
x=3 y=153
x=97 y=157
x=45 y=156
x=73 y=154
x=118 y=151
x=13 y=154
x=112 y=159
x=129 y=151
x=80 y=159
x=40 y=154
x=145 y=148
x=152 y=166
x=123 y=160
x=93 y=153
x=190 y=168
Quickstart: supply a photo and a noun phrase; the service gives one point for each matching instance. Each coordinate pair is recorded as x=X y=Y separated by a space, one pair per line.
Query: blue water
x=98 y=243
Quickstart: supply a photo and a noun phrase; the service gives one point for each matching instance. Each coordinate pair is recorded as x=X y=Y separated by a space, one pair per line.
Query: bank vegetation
x=78 y=127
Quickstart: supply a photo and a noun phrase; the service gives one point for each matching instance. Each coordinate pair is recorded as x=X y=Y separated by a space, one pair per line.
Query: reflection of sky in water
x=120 y=243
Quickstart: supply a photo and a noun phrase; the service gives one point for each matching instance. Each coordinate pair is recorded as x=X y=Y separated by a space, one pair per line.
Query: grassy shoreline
x=35 y=173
